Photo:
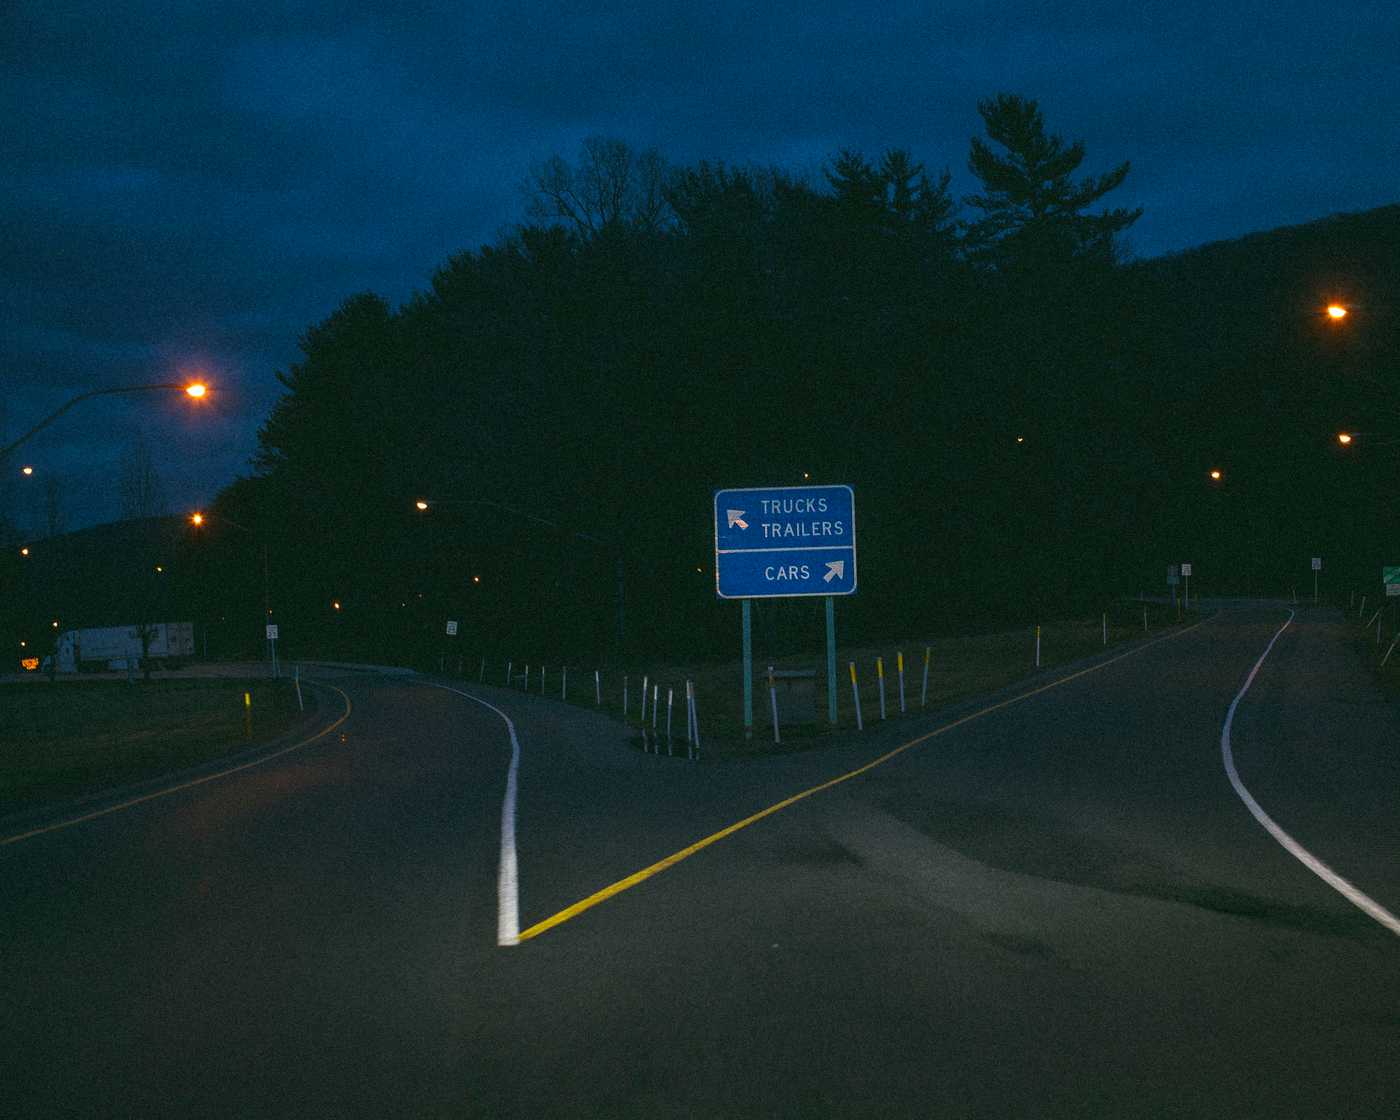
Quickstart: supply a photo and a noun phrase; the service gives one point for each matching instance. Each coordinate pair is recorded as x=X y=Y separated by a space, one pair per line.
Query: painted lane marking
x=1291 y=846
x=71 y=821
x=670 y=861
x=507 y=877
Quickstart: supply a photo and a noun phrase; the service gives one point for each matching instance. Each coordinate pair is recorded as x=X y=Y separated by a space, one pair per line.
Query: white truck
x=120 y=647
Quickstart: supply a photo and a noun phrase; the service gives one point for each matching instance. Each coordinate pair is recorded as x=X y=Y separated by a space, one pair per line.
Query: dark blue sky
x=191 y=186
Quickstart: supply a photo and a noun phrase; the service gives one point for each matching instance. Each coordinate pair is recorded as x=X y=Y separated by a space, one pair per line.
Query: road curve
x=1059 y=908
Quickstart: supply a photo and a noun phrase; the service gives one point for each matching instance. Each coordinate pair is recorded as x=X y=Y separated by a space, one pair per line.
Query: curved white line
x=507 y=880
x=168 y=790
x=1291 y=846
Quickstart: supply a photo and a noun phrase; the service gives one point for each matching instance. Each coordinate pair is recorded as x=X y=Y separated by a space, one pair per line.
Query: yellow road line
x=71 y=821
x=685 y=853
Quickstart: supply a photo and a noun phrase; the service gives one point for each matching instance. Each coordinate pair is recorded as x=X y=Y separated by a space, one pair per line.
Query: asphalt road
x=1060 y=907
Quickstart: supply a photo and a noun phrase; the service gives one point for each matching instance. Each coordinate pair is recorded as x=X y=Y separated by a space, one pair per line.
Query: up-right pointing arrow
x=835 y=569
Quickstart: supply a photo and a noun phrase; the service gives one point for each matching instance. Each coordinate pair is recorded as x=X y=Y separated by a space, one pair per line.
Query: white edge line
x=69 y=822
x=1356 y=897
x=507 y=879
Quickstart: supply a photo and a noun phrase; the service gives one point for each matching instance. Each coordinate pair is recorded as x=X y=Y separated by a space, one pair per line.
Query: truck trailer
x=167 y=644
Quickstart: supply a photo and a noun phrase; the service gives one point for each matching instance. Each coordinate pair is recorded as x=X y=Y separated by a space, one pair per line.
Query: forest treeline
x=1026 y=414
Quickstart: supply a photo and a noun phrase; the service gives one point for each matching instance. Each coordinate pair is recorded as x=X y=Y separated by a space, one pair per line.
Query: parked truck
x=167 y=644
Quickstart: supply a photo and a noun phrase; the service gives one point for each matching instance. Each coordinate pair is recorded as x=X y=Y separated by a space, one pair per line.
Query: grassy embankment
x=1374 y=644
x=960 y=666
x=72 y=736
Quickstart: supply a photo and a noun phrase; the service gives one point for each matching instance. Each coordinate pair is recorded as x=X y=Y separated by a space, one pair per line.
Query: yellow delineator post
x=899 y=661
x=247 y=715
x=855 y=695
x=880 y=672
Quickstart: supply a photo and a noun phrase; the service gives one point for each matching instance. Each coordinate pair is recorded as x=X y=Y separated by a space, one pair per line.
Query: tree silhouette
x=1033 y=210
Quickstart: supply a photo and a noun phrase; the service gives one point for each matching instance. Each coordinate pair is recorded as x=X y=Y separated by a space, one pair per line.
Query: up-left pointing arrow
x=736 y=517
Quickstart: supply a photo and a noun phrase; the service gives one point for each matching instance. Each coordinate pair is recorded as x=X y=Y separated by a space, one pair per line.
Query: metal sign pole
x=748 y=668
x=830 y=660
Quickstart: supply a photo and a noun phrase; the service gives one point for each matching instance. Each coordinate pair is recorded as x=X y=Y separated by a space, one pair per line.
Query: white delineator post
x=880 y=672
x=899 y=660
x=923 y=695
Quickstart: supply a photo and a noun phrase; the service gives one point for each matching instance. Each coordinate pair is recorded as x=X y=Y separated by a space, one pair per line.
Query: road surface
x=1051 y=902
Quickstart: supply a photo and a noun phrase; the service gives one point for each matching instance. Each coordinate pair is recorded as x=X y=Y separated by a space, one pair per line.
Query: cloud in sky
x=196 y=185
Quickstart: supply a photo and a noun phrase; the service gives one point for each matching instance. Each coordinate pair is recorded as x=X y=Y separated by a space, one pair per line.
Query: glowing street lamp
x=1216 y=476
x=196 y=389
x=1336 y=312
x=1344 y=438
x=26 y=471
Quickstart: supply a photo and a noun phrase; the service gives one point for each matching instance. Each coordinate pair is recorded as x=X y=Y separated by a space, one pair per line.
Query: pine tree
x=1033 y=209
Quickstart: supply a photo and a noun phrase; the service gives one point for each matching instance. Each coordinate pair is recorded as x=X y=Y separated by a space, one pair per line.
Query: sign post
x=783 y=542
x=1186 y=591
x=272 y=646
x=1316 y=567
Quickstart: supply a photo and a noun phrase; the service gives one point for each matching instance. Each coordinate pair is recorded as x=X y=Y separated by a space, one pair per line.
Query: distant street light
x=422 y=505
x=1336 y=312
x=195 y=389
x=26 y=470
x=1364 y=439
x=1216 y=476
x=197 y=519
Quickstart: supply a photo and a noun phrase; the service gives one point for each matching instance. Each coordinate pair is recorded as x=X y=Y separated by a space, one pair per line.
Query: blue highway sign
x=778 y=541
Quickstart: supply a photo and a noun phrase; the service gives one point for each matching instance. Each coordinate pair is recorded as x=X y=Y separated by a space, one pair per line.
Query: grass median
x=960 y=666
x=67 y=738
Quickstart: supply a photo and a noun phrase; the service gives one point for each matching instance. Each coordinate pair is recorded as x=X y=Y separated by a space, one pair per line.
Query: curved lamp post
x=198 y=518
x=196 y=389
x=422 y=505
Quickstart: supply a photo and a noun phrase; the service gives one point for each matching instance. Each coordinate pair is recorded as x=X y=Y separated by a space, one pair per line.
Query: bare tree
x=610 y=185
x=138 y=484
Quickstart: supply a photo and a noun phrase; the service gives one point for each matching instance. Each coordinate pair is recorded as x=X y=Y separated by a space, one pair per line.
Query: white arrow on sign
x=736 y=517
x=835 y=569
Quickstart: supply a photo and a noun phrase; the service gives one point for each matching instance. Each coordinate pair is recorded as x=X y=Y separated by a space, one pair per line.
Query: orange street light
x=197 y=389
x=1216 y=476
x=26 y=470
x=1336 y=312
x=421 y=504
x=196 y=518
x=1344 y=438
x=24 y=551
